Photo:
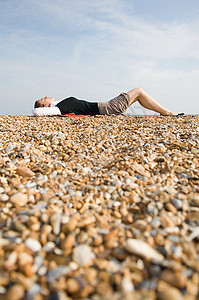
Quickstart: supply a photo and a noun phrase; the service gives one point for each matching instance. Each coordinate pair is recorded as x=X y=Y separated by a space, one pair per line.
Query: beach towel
x=71 y=115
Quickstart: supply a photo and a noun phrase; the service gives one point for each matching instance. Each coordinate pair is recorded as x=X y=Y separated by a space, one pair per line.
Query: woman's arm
x=46 y=111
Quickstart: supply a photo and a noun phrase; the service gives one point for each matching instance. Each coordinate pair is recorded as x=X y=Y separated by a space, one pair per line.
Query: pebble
x=1 y=190
x=72 y=286
x=19 y=199
x=170 y=207
x=176 y=279
x=142 y=249
x=33 y=291
x=49 y=246
x=57 y=272
x=24 y=172
x=83 y=255
x=166 y=292
x=33 y=245
x=99 y=207
x=177 y=203
x=10 y=147
x=4 y=197
x=127 y=285
x=56 y=222
x=15 y=292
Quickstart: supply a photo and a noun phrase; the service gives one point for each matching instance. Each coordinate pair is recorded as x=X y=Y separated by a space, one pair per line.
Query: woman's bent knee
x=139 y=91
x=136 y=92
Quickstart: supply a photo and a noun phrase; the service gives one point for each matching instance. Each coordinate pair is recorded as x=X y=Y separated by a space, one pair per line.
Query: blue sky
x=95 y=49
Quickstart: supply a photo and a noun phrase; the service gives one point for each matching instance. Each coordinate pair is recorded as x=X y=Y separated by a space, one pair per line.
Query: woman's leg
x=147 y=101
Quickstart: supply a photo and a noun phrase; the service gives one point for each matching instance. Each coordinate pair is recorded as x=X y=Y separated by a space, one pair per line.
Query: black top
x=79 y=107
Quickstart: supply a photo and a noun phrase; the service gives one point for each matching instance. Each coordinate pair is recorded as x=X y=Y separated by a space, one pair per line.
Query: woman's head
x=44 y=102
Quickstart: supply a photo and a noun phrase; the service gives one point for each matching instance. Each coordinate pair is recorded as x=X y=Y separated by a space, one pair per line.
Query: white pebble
x=73 y=266
x=10 y=147
x=1 y=190
x=4 y=197
x=82 y=254
x=142 y=249
x=48 y=247
x=33 y=245
x=127 y=285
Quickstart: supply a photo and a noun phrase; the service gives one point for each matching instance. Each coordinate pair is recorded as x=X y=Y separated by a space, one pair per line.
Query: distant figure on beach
x=117 y=106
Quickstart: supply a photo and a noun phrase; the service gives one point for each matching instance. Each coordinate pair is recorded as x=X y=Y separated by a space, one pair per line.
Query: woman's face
x=46 y=101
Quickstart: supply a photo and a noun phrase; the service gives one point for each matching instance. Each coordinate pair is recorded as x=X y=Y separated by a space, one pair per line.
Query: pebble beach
x=99 y=208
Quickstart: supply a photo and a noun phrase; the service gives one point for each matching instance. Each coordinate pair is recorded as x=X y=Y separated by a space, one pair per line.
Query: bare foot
x=168 y=114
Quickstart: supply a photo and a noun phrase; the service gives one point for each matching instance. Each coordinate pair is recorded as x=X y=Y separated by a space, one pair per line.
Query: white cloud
x=110 y=20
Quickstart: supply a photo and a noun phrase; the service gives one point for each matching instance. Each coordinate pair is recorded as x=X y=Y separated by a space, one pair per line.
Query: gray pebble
x=177 y=203
x=57 y=272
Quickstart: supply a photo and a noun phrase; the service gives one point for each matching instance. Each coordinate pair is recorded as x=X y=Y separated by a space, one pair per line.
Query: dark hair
x=38 y=104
